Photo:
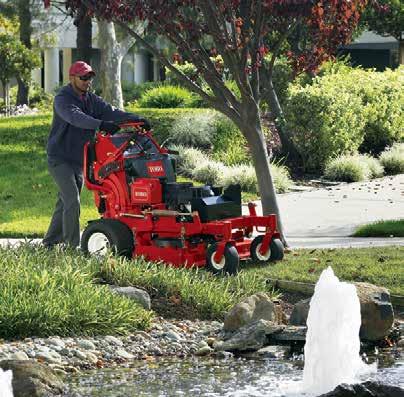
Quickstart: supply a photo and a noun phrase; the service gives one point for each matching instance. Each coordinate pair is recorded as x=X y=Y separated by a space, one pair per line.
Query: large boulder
x=256 y=307
x=33 y=379
x=376 y=312
x=136 y=294
x=366 y=389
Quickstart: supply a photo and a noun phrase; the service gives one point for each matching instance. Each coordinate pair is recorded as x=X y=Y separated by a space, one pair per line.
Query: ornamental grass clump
x=188 y=159
x=46 y=293
x=167 y=97
x=194 y=130
x=209 y=172
x=392 y=159
x=348 y=168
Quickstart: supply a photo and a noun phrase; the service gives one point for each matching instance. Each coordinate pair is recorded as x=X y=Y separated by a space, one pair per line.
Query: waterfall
x=332 y=341
x=6 y=390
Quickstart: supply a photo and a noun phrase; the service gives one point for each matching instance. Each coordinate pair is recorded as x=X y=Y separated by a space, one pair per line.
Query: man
x=77 y=114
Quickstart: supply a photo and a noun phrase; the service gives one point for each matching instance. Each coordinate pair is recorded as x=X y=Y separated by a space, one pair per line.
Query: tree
x=387 y=17
x=242 y=32
x=15 y=61
x=112 y=53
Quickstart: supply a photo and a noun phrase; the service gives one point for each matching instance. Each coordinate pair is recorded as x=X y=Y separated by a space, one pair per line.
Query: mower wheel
x=274 y=253
x=229 y=263
x=104 y=234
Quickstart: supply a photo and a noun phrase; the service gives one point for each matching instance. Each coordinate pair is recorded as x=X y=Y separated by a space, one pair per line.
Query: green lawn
x=393 y=228
x=27 y=192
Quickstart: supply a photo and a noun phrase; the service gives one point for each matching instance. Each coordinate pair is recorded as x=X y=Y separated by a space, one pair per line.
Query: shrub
x=347 y=168
x=242 y=174
x=325 y=123
x=167 y=97
x=229 y=145
x=392 y=159
x=209 y=172
x=194 y=130
x=132 y=92
x=188 y=159
x=375 y=168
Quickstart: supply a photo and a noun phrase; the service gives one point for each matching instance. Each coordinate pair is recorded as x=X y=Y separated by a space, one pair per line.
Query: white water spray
x=332 y=341
x=6 y=389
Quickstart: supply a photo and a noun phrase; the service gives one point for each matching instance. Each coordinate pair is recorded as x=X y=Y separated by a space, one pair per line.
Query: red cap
x=80 y=68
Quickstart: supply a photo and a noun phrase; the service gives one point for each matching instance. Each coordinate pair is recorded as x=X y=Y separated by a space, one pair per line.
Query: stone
x=300 y=312
x=290 y=334
x=366 y=389
x=253 y=308
x=203 y=351
x=124 y=354
x=273 y=351
x=49 y=356
x=33 y=379
x=18 y=356
x=113 y=340
x=138 y=295
x=85 y=344
x=250 y=337
x=376 y=312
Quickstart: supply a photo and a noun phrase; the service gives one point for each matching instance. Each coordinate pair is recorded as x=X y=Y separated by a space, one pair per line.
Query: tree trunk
x=24 y=16
x=288 y=147
x=401 y=51
x=84 y=36
x=111 y=61
x=251 y=129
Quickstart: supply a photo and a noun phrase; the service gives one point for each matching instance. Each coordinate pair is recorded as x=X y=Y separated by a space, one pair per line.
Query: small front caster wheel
x=229 y=263
x=274 y=252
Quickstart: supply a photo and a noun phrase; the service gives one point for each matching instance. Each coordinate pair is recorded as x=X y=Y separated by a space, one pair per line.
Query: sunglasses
x=86 y=77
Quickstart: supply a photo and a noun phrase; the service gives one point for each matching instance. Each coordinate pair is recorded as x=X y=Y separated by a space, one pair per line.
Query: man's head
x=81 y=75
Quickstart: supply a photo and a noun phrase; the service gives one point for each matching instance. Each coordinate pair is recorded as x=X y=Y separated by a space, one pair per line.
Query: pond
x=212 y=377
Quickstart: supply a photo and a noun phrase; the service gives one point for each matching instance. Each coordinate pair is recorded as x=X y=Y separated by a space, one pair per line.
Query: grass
x=47 y=293
x=394 y=228
x=53 y=293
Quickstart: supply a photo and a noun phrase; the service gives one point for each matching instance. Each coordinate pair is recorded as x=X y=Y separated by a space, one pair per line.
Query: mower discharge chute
x=144 y=211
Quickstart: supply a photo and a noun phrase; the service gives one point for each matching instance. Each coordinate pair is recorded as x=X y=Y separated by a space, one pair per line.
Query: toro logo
x=155 y=169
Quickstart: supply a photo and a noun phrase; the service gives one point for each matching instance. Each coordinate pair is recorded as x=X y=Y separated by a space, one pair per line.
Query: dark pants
x=65 y=224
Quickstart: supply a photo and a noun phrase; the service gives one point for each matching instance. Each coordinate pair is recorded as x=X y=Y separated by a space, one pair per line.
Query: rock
x=250 y=337
x=33 y=379
x=203 y=351
x=376 y=312
x=300 y=312
x=255 y=307
x=19 y=356
x=86 y=344
x=138 y=295
x=366 y=389
x=273 y=351
x=112 y=340
x=124 y=354
x=290 y=334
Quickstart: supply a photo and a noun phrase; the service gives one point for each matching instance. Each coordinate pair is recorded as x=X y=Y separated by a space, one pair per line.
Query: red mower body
x=144 y=211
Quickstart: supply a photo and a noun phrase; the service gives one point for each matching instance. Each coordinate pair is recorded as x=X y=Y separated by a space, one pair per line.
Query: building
x=57 y=39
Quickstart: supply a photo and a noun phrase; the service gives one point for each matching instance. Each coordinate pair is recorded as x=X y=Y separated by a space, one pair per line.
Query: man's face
x=82 y=84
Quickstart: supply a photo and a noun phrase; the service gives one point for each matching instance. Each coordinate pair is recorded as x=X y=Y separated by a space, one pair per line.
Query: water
x=332 y=341
x=332 y=356
x=5 y=383
x=209 y=377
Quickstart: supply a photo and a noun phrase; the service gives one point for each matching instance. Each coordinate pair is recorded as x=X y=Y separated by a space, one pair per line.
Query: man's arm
x=73 y=115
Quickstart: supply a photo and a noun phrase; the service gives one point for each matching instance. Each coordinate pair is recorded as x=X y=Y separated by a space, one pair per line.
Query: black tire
x=111 y=233
x=229 y=263
x=275 y=250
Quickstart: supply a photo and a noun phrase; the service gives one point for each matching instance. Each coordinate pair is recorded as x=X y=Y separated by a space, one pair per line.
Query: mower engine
x=144 y=211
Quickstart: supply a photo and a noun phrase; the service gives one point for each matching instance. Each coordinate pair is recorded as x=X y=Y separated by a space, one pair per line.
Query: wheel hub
x=265 y=256
x=98 y=243
x=217 y=265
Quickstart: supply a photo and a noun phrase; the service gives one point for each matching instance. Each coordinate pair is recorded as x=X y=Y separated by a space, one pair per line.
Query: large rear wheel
x=229 y=264
x=104 y=234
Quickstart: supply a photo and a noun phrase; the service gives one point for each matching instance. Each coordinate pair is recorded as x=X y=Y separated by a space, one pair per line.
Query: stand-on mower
x=144 y=211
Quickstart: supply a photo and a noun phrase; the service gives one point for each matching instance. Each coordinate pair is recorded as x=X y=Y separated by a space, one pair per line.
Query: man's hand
x=109 y=126
x=146 y=123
